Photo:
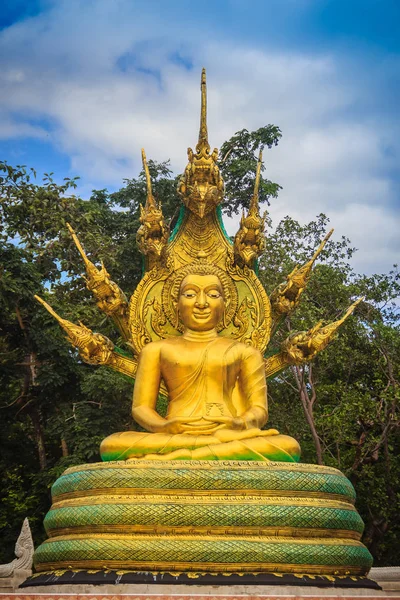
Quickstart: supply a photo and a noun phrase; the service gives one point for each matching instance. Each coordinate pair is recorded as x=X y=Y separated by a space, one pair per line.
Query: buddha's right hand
x=175 y=425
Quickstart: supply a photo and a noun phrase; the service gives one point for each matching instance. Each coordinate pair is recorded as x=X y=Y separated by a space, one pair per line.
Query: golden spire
x=91 y=270
x=152 y=235
x=286 y=296
x=301 y=347
x=97 y=280
x=201 y=186
x=319 y=249
x=150 y=198
x=348 y=312
x=63 y=322
x=253 y=208
x=94 y=348
x=326 y=332
x=203 y=132
x=300 y=275
x=249 y=241
x=110 y=299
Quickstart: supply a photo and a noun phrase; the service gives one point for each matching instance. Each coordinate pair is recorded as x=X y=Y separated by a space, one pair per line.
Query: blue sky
x=86 y=83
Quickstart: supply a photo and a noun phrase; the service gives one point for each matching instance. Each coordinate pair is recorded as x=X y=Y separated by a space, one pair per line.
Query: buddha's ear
x=224 y=321
x=176 y=309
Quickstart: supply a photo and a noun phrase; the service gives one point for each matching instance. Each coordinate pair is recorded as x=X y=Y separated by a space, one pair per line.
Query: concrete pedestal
x=186 y=592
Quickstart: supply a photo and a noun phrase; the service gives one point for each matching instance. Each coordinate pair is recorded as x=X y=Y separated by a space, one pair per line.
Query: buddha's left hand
x=176 y=424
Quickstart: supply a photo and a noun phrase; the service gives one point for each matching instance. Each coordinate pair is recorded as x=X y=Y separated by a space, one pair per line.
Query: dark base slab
x=113 y=577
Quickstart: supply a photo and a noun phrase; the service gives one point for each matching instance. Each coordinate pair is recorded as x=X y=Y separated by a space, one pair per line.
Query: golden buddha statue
x=199 y=323
x=198 y=327
x=217 y=393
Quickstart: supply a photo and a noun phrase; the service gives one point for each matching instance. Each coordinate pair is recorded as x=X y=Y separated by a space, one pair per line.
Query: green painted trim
x=175 y=513
x=179 y=476
x=221 y=224
x=160 y=549
x=256 y=267
x=122 y=352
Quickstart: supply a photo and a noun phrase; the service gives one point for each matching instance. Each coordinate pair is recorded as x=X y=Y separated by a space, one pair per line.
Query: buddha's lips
x=201 y=315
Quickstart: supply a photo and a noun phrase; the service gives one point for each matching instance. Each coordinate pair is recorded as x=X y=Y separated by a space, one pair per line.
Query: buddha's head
x=199 y=296
x=201 y=302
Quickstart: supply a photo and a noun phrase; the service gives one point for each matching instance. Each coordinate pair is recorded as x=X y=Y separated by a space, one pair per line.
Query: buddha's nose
x=201 y=300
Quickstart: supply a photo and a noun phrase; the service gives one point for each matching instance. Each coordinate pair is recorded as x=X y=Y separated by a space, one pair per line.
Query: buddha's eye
x=214 y=294
x=189 y=294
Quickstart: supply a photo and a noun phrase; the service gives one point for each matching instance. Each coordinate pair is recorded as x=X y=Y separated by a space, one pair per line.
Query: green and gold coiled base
x=204 y=517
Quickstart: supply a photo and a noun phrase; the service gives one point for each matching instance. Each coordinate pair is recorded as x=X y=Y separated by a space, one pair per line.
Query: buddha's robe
x=219 y=379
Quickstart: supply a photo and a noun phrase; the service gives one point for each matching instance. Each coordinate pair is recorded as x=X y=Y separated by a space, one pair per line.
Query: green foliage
x=352 y=387
x=238 y=162
x=55 y=410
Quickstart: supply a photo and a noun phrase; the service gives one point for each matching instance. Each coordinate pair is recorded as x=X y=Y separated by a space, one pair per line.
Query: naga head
x=201 y=186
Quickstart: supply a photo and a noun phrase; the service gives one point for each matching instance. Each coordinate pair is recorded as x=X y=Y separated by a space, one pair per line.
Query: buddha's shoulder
x=151 y=349
x=243 y=349
x=155 y=347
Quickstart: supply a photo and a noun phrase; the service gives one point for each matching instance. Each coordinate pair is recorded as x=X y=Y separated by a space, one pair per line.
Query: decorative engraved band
x=226 y=554
x=193 y=465
x=145 y=515
x=205 y=478
x=300 y=532
x=203 y=567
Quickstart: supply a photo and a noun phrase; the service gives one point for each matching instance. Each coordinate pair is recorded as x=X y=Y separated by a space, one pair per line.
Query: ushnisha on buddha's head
x=201 y=302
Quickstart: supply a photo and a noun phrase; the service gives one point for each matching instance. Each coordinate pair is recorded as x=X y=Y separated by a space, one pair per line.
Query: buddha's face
x=201 y=302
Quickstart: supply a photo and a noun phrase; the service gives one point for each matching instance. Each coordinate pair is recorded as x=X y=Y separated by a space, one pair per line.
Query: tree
x=350 y=392
x=238 y=161
x=56 y=409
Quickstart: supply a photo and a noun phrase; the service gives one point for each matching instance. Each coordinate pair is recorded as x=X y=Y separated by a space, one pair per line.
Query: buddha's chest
x=214 y=361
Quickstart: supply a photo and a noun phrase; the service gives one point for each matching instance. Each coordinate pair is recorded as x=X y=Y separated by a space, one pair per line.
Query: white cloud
x=366 y=224
x=12 y=128
x=76 y=66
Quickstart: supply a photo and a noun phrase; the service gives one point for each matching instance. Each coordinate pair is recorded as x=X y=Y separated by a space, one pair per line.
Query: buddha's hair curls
x=201 y=268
